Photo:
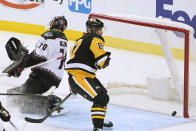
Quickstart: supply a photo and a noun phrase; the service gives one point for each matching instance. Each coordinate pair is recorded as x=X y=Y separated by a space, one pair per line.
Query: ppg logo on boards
x=175 y=16
x=81 y=6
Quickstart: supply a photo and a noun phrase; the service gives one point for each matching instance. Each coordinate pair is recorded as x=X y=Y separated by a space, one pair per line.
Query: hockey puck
x=174 y=113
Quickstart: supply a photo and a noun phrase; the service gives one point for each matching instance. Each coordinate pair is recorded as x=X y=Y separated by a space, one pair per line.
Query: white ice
x=105 y=76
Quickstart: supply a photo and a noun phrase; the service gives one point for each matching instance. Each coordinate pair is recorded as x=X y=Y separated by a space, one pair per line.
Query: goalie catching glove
x=15 y=49
x=17 y=53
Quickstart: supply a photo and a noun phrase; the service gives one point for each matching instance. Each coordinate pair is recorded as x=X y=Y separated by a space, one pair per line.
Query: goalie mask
x=58 y=22
x=93 y=24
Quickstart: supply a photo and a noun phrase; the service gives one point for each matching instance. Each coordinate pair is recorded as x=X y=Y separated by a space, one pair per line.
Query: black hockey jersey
x=87 y=55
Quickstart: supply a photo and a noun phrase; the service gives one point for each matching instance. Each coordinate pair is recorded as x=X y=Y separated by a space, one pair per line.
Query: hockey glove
x=107 y=61
x=4 y=114
x=97 y=66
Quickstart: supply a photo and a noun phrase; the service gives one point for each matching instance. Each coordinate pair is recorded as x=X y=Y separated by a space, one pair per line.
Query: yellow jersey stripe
x=98 y=117
x=97 y=109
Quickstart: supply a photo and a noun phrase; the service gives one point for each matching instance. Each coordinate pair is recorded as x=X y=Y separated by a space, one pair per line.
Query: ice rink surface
x=123 y=118
x=122 y=110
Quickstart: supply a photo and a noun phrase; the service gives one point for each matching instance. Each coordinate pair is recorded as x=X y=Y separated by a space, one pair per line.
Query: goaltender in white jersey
x=48 y=49
x=43 y=78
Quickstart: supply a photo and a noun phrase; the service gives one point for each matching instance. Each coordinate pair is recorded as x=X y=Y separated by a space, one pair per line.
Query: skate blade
x=107 y=128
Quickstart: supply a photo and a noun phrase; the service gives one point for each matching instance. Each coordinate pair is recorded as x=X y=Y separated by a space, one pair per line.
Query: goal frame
x=167 y=27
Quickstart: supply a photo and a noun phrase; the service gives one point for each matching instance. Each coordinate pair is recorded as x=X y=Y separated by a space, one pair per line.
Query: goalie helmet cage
x=164 y=25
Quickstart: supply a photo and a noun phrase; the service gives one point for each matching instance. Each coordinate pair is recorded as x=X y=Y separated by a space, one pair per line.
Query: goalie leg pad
x=32 y=104
x=35 y=84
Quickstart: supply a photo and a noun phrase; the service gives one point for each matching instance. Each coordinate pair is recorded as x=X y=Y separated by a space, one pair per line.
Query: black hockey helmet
x=93 y=24
x=58 y=22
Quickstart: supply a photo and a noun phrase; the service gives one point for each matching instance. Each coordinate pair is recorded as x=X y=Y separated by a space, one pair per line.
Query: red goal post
x=168 y=26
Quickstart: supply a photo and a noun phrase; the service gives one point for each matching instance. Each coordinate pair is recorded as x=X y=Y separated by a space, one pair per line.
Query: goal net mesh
x=148 y=58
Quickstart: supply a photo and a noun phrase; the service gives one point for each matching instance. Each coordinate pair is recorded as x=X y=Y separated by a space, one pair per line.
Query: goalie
x=43 y=78
x=88 y=56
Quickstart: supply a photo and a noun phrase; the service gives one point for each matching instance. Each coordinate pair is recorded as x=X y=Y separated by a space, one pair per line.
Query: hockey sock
x=98 y=114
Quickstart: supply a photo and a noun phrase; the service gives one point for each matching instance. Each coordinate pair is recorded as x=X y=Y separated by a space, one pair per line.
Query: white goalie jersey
x=50 y=45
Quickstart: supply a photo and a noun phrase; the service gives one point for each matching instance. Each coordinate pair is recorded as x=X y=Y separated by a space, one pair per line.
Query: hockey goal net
x=153 y=55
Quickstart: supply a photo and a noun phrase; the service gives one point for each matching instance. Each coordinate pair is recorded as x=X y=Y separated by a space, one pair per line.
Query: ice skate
x=107 y=125
x=97 y=129
x=53 y=102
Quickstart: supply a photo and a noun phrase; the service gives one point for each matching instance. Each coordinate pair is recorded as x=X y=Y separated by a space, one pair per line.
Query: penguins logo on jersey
x=100 y=45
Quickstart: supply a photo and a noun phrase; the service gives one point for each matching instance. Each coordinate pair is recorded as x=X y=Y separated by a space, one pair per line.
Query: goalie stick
x=42 y=63
x=49 y=114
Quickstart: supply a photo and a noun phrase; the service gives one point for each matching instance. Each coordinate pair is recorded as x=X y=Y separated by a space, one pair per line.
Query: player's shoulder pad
x=91 y=36
x=99 y=36
x=53 y=35
x=48 y=35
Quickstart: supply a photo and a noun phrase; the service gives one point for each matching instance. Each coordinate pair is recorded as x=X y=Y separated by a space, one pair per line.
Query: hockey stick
x=13 y=125
x=49 y=114
x=42 y=63
x=10 y=94
x=50 y=91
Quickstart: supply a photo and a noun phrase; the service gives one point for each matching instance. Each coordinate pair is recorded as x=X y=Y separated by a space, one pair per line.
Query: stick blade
x=34 y=120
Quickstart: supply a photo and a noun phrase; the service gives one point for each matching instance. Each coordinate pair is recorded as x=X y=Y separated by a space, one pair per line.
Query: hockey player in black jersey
x=88 y=56
x=50 y=45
